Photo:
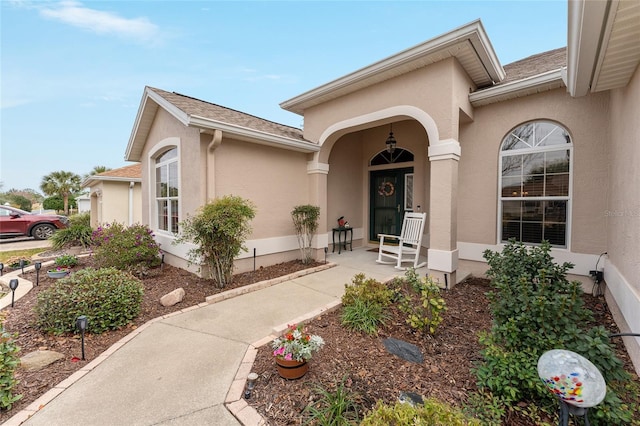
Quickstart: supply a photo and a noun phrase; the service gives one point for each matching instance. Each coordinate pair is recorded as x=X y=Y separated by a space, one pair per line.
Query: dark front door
x=387 y=201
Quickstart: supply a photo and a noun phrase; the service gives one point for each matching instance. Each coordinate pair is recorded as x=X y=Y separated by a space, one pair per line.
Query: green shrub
x=333 y=407
x=432 y=412
x=74 y=235
x=110 y=299
x=8 y=363
x=366 y=290
x=218 y=231
x=305 y=221
x=82 y=219
x=363 y=315
x=424 y=308
x=66 y=261
x=125 y=248
x=485 y=407
x=536 y=309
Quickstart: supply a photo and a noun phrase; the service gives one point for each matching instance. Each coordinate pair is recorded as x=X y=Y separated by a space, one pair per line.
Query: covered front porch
x=363 y=260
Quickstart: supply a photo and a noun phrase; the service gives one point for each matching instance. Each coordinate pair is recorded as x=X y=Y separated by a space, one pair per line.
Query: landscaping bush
x=366 y=290
x=536 y=309
x=109 y=298
x=125 y=248
x=432 y=412
x=424 y=307
x=66 y=261
x=333 y=407
x=363 y=315
x=75 y=235
x=8 y=363
x=305 y=221
x=218 y=231
x=82 y=219
x=364 y=302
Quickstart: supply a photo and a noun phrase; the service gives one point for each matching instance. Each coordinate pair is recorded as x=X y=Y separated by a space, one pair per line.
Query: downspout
x=216 y=140
x=131 y=185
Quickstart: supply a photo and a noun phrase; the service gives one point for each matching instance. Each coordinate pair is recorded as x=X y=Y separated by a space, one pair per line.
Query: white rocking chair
x=408 y=242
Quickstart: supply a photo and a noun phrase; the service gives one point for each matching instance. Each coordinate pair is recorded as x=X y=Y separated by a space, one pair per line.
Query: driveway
x=22 y=243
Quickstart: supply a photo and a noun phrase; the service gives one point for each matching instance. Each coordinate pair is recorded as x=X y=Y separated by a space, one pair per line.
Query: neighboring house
x=84 y=203
x=116 y=196
x=547 y=148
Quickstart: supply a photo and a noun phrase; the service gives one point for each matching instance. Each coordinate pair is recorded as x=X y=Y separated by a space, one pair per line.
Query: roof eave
x=252 y=135
x=473 y=32
x=538 y=83
x=586 y=20
x=92 y=180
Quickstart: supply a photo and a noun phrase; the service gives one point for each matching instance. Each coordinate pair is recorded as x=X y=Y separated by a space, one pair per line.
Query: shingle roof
x=133 y=171
x=535 y=64
x=196 y=107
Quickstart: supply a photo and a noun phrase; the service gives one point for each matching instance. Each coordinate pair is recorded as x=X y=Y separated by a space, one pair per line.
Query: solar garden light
x=13 y=284
x=37 y=265
x=81 y=324
x=326 y=249
x=251 y=383
x=1 y=268
x=162 y=262
x=22 y=265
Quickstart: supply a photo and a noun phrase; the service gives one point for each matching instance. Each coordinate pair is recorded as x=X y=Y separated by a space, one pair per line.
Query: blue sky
x=73 y=73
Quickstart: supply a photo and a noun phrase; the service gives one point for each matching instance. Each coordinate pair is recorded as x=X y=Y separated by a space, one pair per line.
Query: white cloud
x=75 y=14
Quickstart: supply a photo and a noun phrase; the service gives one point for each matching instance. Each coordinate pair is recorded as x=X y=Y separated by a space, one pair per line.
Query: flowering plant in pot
x=293 y=349
x=58 y=272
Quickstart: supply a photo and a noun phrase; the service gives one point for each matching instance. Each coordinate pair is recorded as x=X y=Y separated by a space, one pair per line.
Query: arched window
x=166 y=190
x=399 y=155
x=535 y=179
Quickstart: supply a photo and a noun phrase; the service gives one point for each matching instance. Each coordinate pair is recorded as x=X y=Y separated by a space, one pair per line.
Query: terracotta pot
x=291 y=369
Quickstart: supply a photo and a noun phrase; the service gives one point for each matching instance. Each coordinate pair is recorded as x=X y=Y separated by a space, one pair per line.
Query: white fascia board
x=472 y=32
x=538 y=81
x=142 y=110
x=252 y=135
x=585 y=27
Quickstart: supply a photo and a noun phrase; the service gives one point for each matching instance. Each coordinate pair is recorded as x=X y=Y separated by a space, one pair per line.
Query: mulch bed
x=159 y=282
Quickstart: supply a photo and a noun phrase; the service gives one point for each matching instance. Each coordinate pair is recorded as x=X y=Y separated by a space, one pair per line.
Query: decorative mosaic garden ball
x=572 y=378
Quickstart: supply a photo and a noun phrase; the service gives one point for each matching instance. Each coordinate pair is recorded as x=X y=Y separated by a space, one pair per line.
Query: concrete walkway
x=181 y=369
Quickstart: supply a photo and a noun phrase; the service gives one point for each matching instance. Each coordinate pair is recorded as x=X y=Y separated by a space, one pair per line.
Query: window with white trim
x=166 y=192
x=535 y=184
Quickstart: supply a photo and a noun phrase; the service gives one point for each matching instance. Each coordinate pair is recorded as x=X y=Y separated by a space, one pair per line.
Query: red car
x=18 y=223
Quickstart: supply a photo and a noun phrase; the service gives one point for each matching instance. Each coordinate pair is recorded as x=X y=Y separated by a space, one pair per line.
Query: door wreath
x=386 y=189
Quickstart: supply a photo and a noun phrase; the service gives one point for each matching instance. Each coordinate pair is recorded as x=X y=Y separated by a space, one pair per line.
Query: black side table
x=347 y=241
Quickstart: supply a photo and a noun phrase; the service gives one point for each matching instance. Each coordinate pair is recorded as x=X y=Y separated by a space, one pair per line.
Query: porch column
x=442 y=257
x=318 y=173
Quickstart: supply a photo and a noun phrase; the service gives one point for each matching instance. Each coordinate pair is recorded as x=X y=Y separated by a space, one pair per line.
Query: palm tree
x=61 y=183
x=96 y=171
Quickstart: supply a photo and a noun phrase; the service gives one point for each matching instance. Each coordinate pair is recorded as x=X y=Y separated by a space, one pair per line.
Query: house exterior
x=546 y=148
x=115 y=196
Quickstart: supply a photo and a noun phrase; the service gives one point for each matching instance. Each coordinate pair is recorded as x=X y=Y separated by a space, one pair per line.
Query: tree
x=96 y=171
x=61 y=183
x=219 y=231
x=305 y=220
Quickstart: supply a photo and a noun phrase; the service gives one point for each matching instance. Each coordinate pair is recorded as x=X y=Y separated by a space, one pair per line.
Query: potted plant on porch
x=293 y=349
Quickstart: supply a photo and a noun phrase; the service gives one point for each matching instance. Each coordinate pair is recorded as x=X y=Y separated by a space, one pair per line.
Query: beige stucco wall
x=585 y=118
x=622 y=213
x=275 y=180
x=433 y=89
x=111 y=202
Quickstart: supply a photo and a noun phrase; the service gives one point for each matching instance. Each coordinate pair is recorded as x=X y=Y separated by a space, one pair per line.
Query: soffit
x=620 y=53
x=468 y=44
